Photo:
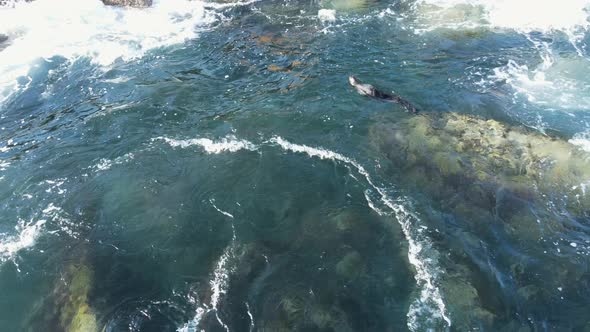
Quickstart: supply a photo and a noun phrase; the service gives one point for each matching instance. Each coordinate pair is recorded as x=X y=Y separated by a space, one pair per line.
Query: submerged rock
x=68 y=307
x=351 y=266
x=492 y=163
x=484 y=182
x=75 y=311
x=128 y=3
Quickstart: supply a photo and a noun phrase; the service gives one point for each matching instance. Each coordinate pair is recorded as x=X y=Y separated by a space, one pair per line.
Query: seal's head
x=353 y=80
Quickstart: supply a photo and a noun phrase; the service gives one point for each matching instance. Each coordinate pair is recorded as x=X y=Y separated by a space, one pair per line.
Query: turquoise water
x=206 y=166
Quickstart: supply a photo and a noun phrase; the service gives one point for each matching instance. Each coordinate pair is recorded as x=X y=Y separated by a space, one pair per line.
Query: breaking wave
x=73 y=29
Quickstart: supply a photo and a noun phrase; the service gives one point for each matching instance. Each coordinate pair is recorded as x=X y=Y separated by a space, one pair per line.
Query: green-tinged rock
x=464 y=301
x=465 y=152
x=76 y=315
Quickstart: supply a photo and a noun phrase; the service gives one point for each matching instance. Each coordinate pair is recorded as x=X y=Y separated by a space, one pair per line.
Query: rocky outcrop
x=128 y=3
x=485 y=161
x=492 y=185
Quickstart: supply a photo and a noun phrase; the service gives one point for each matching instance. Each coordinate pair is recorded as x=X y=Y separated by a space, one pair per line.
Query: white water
x=581 y=140
x=558 y=77
x=327 y=15
x=520 y=15
x=24 y=237
x=558 y=83
x=86 y=28
x=226 y=144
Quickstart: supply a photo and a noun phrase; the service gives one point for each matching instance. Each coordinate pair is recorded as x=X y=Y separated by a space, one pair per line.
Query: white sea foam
x=252 y=323
x=86 y=28
x=581 y=140
x=560 y=81
x=24 y=237
x=521 y=15
x=557 y=83
x=227 y=144
x=106 y=164
x=327 y=15
x=428 y=309
x=55 y=186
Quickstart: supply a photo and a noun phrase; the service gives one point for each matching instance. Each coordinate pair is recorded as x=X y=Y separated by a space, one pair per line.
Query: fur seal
x=371 y=91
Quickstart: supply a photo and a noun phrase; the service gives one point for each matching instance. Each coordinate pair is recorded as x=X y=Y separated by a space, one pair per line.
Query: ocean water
x=205 y=166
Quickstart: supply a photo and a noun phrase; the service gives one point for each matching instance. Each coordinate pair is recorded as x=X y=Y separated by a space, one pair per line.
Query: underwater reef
x=491 y=184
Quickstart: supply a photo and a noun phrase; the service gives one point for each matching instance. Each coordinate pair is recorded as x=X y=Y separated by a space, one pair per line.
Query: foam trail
x=218 y=286
x=226 y=144
x=227 y=214
x=252 y=325
x=218 y=283
x=427 y=310
x=429 y=307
